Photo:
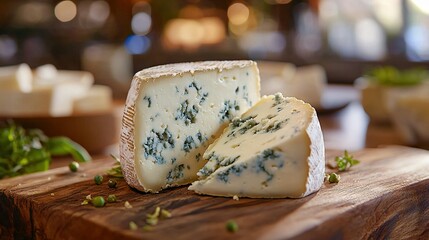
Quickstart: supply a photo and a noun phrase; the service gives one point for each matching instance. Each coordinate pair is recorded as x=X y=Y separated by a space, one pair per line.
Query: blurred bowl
x=410 y=115
x=377 y=99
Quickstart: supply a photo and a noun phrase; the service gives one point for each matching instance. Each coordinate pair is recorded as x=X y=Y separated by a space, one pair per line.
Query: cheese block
x=45 y=75
x=15 y=103
x=97 y=99
x=275 y=150
x=307 y=84
x=69 y=86
x=17 y=77
x=172 y=114
x=275 y=76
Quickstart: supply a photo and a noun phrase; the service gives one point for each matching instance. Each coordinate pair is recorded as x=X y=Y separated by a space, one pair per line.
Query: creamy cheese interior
x=274 y=150
x=178 y=117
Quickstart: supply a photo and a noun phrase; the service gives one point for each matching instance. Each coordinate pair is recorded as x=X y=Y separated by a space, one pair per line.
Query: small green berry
x=98 y=179
x=231 y=226
x=98 y=201
x=334 y=178
x=74 y=166
x=133 y=225
x=112 y=183
x=111 y=198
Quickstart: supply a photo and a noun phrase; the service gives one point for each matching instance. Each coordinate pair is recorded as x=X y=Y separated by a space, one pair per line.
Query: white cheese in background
x=15 y=103
x=274 y=150
x=307 y=84
x=45 y=75
x=173 y=112
x=275 y=75
x=17 y=77
x=71 y=85
x=97 y=99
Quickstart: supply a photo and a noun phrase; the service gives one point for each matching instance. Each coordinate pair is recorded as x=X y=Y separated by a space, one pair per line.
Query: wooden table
x=386 y=196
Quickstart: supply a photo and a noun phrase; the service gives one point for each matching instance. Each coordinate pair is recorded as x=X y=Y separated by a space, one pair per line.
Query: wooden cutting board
x=386 y=196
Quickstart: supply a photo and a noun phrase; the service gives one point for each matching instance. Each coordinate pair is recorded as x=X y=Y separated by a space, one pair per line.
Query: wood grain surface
x=386 y=196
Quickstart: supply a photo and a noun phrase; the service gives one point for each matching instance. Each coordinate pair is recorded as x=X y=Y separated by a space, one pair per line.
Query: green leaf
x=37 y=160
x=345 y=162
x=391 y=76
x=27 y=151
x=58 y=146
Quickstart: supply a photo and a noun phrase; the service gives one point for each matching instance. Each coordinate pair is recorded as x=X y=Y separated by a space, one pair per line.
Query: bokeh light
x=65 y=11
x=8 y=47
x=238 y=13
x=137 y=44
x=141 y=23
x=99 y=11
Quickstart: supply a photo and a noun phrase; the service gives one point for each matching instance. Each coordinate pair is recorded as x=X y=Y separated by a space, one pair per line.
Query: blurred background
x=310 y=49
x=113 y=39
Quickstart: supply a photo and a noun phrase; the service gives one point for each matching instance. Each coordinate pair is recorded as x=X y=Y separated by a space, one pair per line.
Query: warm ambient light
x=238 y=13
x=191 y=33
x=65 y=11
x=422 y=5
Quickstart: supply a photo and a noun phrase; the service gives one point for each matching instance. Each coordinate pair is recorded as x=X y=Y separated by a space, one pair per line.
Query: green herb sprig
x=391 y=76
x=116 y=170
x=342 y=163
x=27 y=151
x=346 y=161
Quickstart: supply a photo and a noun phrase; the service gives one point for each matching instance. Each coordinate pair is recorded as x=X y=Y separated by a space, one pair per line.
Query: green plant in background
x=388 y=75
x=28 y=151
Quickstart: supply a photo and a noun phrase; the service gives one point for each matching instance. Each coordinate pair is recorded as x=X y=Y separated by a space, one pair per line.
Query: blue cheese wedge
x=275 y=150
x=174 y=112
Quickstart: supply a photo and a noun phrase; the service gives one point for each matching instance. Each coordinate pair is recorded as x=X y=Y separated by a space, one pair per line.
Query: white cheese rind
x=173 y=112
x=274 y=150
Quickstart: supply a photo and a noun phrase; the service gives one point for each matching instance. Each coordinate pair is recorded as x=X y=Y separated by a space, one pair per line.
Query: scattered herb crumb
x=165 y=213
x=147 y=228
x=88 y=197
x=231 y=226
x=333 y=178
x=152 y=221
x=133 y=226
x=127 y=205
x=84 y=202
x=155 y=214
x=111 y=198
